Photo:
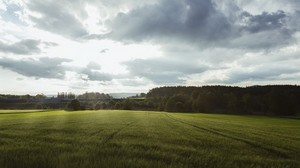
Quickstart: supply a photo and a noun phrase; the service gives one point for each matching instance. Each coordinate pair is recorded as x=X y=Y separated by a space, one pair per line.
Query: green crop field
x=146 y=139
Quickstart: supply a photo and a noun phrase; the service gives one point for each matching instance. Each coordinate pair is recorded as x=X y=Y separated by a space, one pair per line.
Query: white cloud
x=2 y=6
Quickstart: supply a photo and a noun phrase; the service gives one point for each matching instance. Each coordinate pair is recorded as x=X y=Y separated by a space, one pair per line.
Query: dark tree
x=178 y=103
x=74 y=105
x=266 y=100
x=127 y=104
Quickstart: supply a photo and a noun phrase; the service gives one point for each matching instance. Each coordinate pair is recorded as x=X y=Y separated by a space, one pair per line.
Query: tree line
x=266 y=100
x=262 y=100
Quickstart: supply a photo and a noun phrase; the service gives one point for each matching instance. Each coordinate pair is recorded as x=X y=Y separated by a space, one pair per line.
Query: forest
x=258 y=100
x=265 y=100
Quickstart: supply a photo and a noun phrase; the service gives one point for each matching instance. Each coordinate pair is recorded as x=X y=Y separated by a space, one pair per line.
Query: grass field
x=146 y=139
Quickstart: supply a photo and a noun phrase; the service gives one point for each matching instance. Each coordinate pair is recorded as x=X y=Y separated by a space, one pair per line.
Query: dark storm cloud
x=189 y=20
x=202 y=23
x=23 y=47
x=44 y=67
x=294 y=20
x=263 y=22
x=163 y=71
x=263 y=31
x=57 y=18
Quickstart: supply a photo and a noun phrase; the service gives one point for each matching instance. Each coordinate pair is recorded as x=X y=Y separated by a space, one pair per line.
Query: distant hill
x=114 y=95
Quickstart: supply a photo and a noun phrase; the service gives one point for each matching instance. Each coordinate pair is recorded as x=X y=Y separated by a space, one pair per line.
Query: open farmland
x=146 y=139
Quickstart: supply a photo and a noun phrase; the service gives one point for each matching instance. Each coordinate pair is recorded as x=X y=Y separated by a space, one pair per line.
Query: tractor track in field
x=264 y=132
x=15 y=126
x=28 y=112
x=248 y=142
x=112 y=135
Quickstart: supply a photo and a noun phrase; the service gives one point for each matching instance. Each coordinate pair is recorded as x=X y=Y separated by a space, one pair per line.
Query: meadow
x=116 y=138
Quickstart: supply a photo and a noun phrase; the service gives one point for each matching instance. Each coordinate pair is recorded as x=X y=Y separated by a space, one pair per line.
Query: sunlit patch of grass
x=146 y=139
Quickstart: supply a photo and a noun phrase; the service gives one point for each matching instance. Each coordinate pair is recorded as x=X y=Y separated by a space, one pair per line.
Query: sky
x=132 y=45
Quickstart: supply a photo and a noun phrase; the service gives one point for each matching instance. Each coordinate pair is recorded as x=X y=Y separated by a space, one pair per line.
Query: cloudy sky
x=48 y=46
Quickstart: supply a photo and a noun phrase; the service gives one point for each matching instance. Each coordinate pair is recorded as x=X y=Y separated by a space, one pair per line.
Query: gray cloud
x=24 y=47
x=234 y=38
x=263 y=31
x=262 y=40
x=294 y=23
x=264 y=72
x=57 y=18
x=50 y=44
x=92 y=73
x=260 y=73
x=195 y=21
x=203 y=23
x=53 y=68
x=43 y=67
x=263 y=22
x=65 y=18
x=105 y=50
x=94 y=66
x=163 y=71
